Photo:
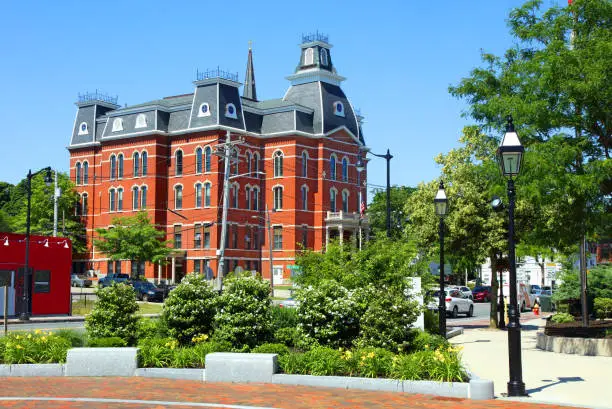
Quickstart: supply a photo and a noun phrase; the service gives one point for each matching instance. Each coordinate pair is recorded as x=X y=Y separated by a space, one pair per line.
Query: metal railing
x=97 y=96
x=316 y=36
x=216 y=73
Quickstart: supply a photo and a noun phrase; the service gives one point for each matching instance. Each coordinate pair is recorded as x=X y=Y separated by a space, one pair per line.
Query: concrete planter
x=190 y=374
x=578 y=346
x=101 y=361
x=32 y=370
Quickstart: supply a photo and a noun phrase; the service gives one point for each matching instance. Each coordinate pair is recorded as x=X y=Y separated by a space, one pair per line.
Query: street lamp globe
x=440 y=201
x=360 y=166
x=48 y=177
x=510 y=151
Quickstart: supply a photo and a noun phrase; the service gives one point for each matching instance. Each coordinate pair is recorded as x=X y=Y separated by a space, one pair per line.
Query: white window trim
x=227 y=113
x=309 y=56
x=141 y=121
x=341 y=112
x=324 y=57
x=85 y=131
x=203 y=114
x=117 y=125
x=274 y=155
x=348 y=166
x=182 y=194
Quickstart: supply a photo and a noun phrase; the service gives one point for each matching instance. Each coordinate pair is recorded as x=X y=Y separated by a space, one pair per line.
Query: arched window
x=304 y=164
x=338 y=108
x=256 y=164
x=120 y=166
x=141 y=121
x=249 y=159
x=199 y=160
x=332 y=167
x=278 y=164
x=145 y=157
x=143 y=197
x=136 y=164
x=255 y=198
x=304 y=197
x=117 y=125
x=113 y=167
x=207 y=194
x=111 y=200
x=345 y=195
x=178 y=163
x=247 y=197
x=323 y=55
x=120 y=199
x=207 y=158
x=84 y=204
x=230 y=111
x=178 y=197
x=234 y=198
x=78 y=173
x=85 y=173
x=135 y=195
x=309 y=56
x=278 y=197
x=198 y=195
x=344 y=170
x=83 y=129
x=332 y=199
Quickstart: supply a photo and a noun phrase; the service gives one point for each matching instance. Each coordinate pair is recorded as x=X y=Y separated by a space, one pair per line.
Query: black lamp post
x=388 y=158
x=441 y=206
x=27 y=274
x=509 y=156
x=360 y=167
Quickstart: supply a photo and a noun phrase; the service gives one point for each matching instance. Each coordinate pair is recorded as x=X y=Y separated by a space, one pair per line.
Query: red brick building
x=295 y=156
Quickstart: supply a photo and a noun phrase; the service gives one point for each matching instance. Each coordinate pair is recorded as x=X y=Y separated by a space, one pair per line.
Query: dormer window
x=230 y=111
x=117 y=124
x=204 y=110
x=324 y=59
x=141 y=121
x=338 y=108
x=309 y=56
x=83 y=130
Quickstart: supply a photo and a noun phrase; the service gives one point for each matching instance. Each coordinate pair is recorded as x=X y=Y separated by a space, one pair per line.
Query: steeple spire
x=249 y=78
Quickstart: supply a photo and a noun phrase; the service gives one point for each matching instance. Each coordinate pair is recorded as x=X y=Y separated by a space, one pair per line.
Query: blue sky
x=399 y=57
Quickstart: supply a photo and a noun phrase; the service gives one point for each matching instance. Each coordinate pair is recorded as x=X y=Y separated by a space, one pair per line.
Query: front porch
x=346 y=227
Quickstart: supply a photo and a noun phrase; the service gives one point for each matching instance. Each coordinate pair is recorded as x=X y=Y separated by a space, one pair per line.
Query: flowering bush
x=34 y=348
x=442 y=364
x=279 y=349
x=425 y=341
x=244 y=317
x=190 y=308
x=166 y=353
x=328 y=313
x=368 y=362
x=387 y=320
x=114 y=315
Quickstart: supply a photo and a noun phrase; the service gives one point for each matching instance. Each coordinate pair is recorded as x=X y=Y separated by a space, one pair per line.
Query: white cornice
x=314 y=75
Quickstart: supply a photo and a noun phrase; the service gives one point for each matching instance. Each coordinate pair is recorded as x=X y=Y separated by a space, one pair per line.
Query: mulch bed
x=596 y=329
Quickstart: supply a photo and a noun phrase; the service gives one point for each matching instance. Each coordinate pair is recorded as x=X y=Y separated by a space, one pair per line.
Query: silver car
x=76 y=281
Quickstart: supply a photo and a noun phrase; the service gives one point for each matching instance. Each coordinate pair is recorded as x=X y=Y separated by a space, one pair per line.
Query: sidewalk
x=137 y=393
x=549 y=377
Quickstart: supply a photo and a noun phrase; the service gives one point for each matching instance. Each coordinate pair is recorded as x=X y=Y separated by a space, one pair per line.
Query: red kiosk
x=50 y=262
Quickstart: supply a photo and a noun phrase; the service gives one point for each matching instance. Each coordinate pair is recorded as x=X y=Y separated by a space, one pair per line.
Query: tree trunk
x=493 y=318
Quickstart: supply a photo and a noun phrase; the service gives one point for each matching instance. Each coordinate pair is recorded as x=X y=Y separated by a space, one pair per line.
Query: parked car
x=482 y=293
x=147 y=291
x=456 y=303
x=113 y=278
x=288 y=303
x=79 y=281
x=465 y=291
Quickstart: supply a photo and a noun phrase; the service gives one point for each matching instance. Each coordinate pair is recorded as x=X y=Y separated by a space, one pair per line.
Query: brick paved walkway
x=161 y=393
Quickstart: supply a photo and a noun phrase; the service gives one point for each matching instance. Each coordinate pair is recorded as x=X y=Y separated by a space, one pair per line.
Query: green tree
x=133 y=238
x=377 y=210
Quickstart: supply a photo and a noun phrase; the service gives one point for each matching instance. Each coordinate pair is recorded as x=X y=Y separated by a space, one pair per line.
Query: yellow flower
x=37 y=332
x=371 y=355
x=18 y=347
x=29 y=336
x=426 y=346
x=18 y=337
x=50 y=333
x=43 y=338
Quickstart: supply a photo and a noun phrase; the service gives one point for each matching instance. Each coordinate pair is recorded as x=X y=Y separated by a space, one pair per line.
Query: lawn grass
x=79 y=307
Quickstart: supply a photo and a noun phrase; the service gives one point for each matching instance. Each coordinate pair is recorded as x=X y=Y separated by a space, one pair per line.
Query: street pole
x=516 y=386
x=55 y=200
x=388 y=158
x=502 y=316
x=226 y=156
x=359 y=199
x=270 y=250
x=442 y=295
x=25 y=305
x=583 y=283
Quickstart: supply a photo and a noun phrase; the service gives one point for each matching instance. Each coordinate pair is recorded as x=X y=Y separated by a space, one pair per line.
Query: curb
x=453 y=332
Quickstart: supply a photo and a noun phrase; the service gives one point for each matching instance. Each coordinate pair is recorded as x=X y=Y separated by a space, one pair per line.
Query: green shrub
x=190 y=308
x=109 y=342
x=244 y=317
x=283 y=318
x=76 y=338
x=387 y=320
x=293 y=363
x=562 y=317
x=422 y=341
x=328 y=314
x=431 y=323
x=114 y=314
x=287 y=336
x=187 y=357
x=369 y=362
x=152 y=328
x=270 y=348
x=325 y=361
x=156 y=352
x=442 y=365
x=35 y=348
x=603 y=307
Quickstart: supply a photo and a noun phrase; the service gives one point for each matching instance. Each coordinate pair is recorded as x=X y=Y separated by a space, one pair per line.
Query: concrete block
x=191 y=374
x=450 y=389
x=311 y=380
x=578 y=346
x=5 y=370
x=374 y=384
x=237 y=367
x=102 y=362
x=37 y=370
x=481 y=389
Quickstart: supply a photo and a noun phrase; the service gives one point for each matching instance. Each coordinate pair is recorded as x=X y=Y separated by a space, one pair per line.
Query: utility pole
x=270 y=249
x=226 y=165
x=56 y=194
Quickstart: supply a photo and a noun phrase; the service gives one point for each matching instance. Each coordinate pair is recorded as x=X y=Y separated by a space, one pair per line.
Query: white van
x=525 y=299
